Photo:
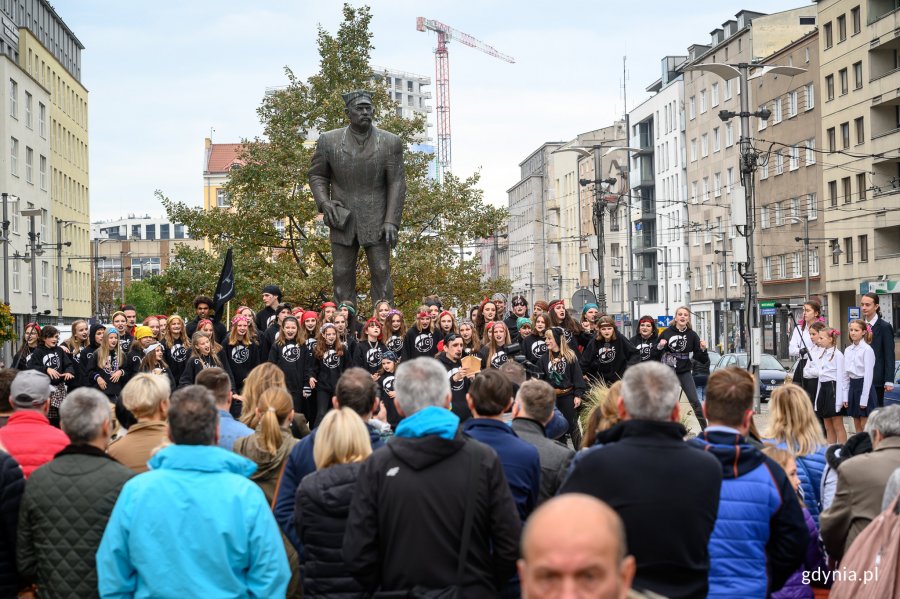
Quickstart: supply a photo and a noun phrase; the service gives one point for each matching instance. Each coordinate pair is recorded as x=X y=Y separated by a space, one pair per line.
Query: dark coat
x=374 y=195
x=320 y=517
x=883 y=346
x=667 y=494
x=62 y=518
x=45 y=357
x=366 y=357
x=679 y=347
x=607 y=360
x=555 y=456
x=12 y=486
x=406 y=518
x=241 y=360
x=417 y=344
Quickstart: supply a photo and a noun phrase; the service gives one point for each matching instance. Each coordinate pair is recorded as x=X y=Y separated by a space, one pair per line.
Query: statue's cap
x=351 y=97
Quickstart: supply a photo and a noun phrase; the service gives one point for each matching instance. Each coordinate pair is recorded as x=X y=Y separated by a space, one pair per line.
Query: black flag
x=225 y=287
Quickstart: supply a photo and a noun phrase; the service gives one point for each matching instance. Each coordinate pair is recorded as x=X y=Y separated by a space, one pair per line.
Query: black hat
x=273 y=290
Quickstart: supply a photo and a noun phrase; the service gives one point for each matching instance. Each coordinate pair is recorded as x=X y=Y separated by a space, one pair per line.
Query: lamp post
x=59 y=269
x=744 y=214
x=805 y=240
x=34 y=248
x=122 y=255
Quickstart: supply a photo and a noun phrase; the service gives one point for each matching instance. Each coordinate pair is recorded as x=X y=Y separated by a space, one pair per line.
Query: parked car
x=893 y=397
x=714 y=358
x=771 y=372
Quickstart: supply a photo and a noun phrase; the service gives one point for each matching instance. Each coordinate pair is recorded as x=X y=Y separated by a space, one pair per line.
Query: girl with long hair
x=152 y=322
x=263 y=377
x=326 y=312
x=446 y=324
x=535 y=345
x=560 y=317
x=202 y=356
x=677 y=345
x=471 y=340
x=487 y=312
x=646 y=339
x=95 y=340
x=178 y=345
x=154 y=363
x=348 y=339
x=603 y=416
x=289 y=355
x=381 y=310
x=309 y=324
x=73 y=346
x=348 y=310
x=328 y=363
x=322 y=504
x=50 y=359
x=608 y=354
x=370 y=349
x=859 y=365
x=106 y=371
x=563 y=372
x=831 y=391
x=421 y=340
x=801 y=345
x=384 y=380
x=163 y=325
x=30 y=341
x=241 y=352
x=248 y=312
x=792 y=426
x=492 y=353
x=394 y=331
x=120 y=322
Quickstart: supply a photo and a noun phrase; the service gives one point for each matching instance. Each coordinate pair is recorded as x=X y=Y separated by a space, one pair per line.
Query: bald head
x=574 y=546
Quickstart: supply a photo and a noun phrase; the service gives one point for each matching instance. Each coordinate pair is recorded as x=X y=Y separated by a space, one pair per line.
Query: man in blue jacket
x=760 y=537
x=355 y=390
x=489 y=397
x=195 y=525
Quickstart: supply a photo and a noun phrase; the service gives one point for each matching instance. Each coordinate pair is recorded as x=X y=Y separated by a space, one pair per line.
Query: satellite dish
x=581 y=297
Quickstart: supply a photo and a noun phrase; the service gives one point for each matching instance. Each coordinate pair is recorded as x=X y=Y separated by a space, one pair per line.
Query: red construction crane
x=445 y=33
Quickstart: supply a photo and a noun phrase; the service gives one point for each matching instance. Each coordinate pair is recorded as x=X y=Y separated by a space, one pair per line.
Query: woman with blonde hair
x=261 y=378
x=147 y=397
x=323 y=502
x=793 y=426
x=563 y=372
x=177 y=344
x=603 y=415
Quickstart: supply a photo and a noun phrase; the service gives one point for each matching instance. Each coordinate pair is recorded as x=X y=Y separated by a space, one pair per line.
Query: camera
x=532 y=370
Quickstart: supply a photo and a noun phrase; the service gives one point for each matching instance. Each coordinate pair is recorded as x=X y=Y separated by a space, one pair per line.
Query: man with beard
x=460 y=378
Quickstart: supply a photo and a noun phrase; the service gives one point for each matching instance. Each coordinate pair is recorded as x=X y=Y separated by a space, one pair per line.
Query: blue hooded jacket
x=809 y=469
x=760 y=526
x=195 y=525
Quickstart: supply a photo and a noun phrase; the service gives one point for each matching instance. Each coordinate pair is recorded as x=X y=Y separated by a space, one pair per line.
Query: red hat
x=447 y=312
x=377 y=323
x=328 y=305
x=310 y=314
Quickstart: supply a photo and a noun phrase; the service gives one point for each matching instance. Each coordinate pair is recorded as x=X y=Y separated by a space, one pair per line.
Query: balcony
x=644 y=241
x=646 y=205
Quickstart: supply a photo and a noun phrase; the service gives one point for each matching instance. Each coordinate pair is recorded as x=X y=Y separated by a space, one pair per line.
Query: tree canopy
x=273 y=224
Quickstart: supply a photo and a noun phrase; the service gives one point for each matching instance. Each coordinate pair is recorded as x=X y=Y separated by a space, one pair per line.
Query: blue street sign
x=664 y=321
x=853 y=313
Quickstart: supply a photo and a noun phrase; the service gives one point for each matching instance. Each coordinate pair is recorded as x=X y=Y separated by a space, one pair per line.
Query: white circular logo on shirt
x=373 y=357
x=539 y=348
x=388 y=383
x=455 y=385
x=290 y=353
x=51 y=361
x=178 y=352
x=678 y=342
x=331 y=359
x=558 y=366
x=499 y=359
x=606 y=354
x=240 y=354
x=424 y=343
x=395 y=344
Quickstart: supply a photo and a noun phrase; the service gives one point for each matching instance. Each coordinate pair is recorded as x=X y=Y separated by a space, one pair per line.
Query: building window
x=45 y=278
x=730 y=180
x=845 y=135
x=826 y=31
x=728 y=92
x=135 y=231
x=693 y=192
x=702 y=101
x=729 y=135
x=861 y=186
x=842 y=27
x=767 y=268
x=717 y=185
x=717 y=140
x=698 y=280
x=222 y=199
x=692 y=108
x=782 y=267
x=764 y=217
x=28 y=112
x=14 y=156
x=832 y=143
x=845 y=82
x=810 y=96
x=29 y=165
x=721 y=281
x=704 y=145
x=150 y=232
x=15 y=276
x=43 y=173
x=863 y=248
x=164 y=231
x=179 y=232
x=714 y=95
x=845 y=185
x=779 y=166
x=762 y=122
x=857 y=75
x=779 y=215
x=848 y=250
x=792 y=103
x=694 y=150
x=859 y=125
x=764 y=171
x=795 y=157
x=13 y=99
x=705 y=189
x=776 y=111
x=813 y=262
x=798 y=264
x=832 y=193
x=795 y=207
x=709 y=276
x=42 y=120
x=829 y=87
x=810 y=152
x=855 y=22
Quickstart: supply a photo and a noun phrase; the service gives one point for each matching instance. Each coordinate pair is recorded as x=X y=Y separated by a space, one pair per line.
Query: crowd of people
x=319 y=453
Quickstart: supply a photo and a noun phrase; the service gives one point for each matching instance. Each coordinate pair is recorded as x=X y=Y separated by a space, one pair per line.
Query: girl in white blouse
x=801 y=345
x=859 y=363
x=831 y=391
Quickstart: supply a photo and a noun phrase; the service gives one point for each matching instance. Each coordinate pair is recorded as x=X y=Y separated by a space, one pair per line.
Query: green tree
x=145 y=297
x=272 y=223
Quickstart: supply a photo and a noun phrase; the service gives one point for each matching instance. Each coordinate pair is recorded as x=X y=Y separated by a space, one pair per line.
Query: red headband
x=329 y=305
x=203 y=322
x=555 y=302
x=33 y=324
x=310 y=314
x=447 y=312
x=423 y=315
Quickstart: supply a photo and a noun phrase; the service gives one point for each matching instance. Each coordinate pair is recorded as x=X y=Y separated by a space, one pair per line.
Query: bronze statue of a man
x=359 y=185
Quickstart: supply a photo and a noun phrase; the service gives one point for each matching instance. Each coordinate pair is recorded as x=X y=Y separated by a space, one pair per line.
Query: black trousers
x=690 y=390
x=344 y=271
x=566 y=405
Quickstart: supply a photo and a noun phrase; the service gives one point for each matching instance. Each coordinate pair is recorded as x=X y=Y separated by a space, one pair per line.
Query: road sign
x=853 y=313
x=581 y=297
x=767 y=308
x=664 y=321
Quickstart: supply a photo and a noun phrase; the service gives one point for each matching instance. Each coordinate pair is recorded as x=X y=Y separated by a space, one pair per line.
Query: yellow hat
x=141 y=331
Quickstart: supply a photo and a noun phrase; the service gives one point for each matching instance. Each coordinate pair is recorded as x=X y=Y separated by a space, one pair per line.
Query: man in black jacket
x=203 y=307
x=666 y=492
x=406 y=526
x=882 y=344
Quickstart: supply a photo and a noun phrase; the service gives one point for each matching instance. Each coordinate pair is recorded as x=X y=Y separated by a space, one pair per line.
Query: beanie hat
x=524 y=322
x=350 y=308
x=142 y=331
x=389 y=355
x=112 y=331
x=544 y=306
x=273 y=290
x=588 y=307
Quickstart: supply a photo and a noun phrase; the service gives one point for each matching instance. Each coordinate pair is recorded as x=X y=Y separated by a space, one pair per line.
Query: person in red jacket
x=28 y=436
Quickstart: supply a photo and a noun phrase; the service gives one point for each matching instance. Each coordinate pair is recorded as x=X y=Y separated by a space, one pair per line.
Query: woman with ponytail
x=801 y=345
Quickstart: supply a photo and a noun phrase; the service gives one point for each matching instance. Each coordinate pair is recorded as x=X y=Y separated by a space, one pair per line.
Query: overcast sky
x=162 y=75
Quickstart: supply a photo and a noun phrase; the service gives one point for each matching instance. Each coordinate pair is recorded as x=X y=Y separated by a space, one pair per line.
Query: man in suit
x=359 y=185
x=882 y=345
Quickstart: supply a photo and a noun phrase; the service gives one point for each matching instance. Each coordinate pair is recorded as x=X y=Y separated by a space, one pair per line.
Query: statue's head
x=359 y=108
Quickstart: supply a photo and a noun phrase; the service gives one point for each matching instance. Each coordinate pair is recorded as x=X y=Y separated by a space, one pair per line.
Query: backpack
x=869 y=568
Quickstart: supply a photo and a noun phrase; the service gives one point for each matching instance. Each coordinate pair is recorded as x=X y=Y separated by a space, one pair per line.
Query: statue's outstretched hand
x=390 y=234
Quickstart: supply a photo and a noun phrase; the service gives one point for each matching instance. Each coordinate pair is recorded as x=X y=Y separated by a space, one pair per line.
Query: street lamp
x=744 y=214
x=34 y=247
x=122 y=255
x=805 y=239
x=7 y=198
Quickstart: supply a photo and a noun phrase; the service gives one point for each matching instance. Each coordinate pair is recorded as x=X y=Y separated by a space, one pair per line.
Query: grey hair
x=83 y=413
x=886 y=421
x=420 y=384
x=650 y=391
x=193 y=417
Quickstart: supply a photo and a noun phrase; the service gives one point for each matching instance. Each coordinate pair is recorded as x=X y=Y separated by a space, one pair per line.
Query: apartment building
x=860 y=131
